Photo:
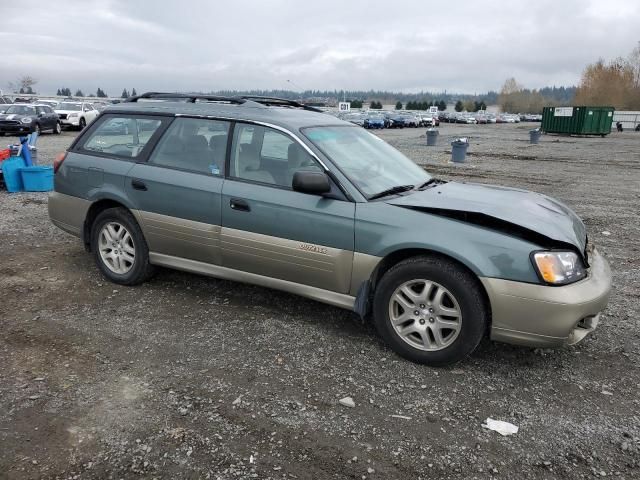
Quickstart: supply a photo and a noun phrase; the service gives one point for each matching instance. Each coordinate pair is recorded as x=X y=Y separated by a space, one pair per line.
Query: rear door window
x=193 y=144
x=122 y=136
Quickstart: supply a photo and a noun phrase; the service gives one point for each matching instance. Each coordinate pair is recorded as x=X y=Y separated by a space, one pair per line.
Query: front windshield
x=21 y=110
x=370 y=163
x=68 y=106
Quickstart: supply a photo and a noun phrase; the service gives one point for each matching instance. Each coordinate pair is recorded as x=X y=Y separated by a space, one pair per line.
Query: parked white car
x=76 y=114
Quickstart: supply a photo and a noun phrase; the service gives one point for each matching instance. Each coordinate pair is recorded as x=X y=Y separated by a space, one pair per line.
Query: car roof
x=282 y=116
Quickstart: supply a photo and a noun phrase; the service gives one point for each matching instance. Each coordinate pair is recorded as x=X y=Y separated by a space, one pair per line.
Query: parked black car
x=395 y=120
x=24 y=119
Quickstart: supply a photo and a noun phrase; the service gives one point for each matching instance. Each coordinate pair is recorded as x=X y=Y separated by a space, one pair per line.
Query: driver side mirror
x=313 y=183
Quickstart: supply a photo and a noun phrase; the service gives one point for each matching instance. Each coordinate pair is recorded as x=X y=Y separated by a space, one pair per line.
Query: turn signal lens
x=559 y=268
x=58 y=161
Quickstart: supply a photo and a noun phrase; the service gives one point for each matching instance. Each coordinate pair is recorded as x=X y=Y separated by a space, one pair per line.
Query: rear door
x=90 y=113
x=44 y=118
x=271 y=230
x=177 y=191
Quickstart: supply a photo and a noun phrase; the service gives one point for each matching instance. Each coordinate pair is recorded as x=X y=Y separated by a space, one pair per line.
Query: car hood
x=14 y=116
x=67 y=111
x=534 y=216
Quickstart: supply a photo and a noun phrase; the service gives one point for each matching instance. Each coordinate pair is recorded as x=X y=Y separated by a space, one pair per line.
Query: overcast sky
x=198 y=45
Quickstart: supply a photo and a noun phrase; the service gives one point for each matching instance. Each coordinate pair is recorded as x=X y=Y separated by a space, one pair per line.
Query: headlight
x=26 y=120
x=72 y=115
x=559 y=268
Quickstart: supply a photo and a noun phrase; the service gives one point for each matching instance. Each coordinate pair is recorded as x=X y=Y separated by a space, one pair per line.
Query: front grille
x=63 y=116
x=9 y=123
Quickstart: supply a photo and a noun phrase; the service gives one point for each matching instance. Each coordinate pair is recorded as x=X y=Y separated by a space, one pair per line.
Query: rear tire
x=82 y=123
x=437 y=326
x=119 y=247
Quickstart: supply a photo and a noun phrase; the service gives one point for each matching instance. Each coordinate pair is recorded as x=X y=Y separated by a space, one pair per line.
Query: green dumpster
x=577 y=120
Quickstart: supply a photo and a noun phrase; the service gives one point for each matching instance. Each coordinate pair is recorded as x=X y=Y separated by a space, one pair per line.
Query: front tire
x=430 y=310
x=57 y=130
x=119 y=248
x=82 y=123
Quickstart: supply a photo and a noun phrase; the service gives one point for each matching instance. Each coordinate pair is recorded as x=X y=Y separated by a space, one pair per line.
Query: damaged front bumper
x=548 y=316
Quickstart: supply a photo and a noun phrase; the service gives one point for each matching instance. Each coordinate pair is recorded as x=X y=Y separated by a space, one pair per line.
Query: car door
x=177 y=191
x=271 y=230
x=93 y=113
x=43 y=118
x=87 y=111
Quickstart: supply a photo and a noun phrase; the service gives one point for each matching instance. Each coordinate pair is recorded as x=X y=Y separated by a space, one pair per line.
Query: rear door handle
x=240 y=205
x=138 y=185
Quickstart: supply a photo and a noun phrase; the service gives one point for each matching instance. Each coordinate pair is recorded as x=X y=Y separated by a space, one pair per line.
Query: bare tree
x=634 y=62
x=24 y=84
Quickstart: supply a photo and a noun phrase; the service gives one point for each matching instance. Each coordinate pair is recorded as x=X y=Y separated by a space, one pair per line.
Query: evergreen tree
x=58 y=93
x=125 y=94
x=398 y=105
x=21 y=90
x=442 y=106
x=79 y=93
x=133 y=92
x=483 y=106
x=459 y=107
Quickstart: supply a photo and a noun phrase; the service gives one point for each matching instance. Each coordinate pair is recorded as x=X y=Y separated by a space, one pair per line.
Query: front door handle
x=238 y=204
x=138 y=185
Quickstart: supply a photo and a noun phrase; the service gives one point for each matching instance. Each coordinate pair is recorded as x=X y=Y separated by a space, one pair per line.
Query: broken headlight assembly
x=559 y=268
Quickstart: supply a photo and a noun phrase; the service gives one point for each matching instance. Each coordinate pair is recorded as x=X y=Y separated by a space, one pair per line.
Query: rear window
x=121 y=136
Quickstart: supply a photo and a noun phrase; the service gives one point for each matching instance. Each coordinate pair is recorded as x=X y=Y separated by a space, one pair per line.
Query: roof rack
x=279 y=102
x=189 y=98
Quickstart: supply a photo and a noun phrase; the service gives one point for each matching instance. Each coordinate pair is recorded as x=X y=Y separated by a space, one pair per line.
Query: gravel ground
x=193 y=377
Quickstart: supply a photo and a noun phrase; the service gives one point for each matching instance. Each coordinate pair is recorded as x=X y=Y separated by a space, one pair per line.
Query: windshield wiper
x=391 y=191
x=430 y=183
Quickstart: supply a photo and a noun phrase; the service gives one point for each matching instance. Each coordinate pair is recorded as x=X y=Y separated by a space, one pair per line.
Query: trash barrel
x=534 y=136
x=459 y=150
x=432 y=137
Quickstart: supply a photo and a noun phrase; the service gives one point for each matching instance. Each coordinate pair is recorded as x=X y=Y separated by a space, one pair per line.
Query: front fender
x=382 y=229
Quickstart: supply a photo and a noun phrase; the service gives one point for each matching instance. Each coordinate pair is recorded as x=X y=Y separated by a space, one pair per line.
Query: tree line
x=614 y=83
x=470 y=106
x=66 y=92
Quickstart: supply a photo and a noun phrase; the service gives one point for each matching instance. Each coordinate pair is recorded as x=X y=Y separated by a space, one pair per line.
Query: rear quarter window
x=122 y=136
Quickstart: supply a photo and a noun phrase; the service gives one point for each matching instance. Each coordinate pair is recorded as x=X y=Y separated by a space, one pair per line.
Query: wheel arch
x=95 y=209
x=397 y=256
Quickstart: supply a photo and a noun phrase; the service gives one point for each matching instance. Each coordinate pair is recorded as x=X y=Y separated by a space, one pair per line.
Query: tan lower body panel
x=363 y=267
x=67 y=212
x=325 y=296
x=540 y=315
x=180 y=237
x=299 y=262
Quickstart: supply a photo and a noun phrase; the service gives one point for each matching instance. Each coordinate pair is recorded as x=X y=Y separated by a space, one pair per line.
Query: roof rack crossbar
x=279 y=101
x=190 y=98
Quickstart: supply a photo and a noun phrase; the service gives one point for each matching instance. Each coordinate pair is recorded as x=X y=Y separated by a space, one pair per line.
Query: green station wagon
x=270 y=192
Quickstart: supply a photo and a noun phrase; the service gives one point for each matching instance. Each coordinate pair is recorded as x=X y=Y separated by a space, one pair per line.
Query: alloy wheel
x=425 y=315
x=116 y=247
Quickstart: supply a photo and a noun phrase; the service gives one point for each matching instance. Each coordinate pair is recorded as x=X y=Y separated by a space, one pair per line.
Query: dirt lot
x=193 y=377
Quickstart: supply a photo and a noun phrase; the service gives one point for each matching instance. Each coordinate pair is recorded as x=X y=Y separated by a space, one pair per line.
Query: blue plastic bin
x=37 y=179
x=11 y=173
